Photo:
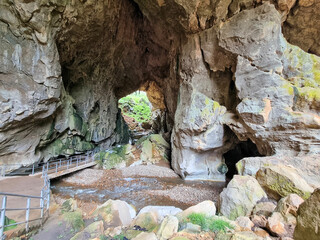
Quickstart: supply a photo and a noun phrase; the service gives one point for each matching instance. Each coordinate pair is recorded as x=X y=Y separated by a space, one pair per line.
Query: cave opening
x=242 y=150
x=136 y=110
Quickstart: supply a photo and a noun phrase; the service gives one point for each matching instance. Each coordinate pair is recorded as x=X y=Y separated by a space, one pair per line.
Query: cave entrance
x=241 y=150
x=136 y=110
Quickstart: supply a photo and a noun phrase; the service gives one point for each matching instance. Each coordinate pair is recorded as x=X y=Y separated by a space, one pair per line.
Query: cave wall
x=222 y=70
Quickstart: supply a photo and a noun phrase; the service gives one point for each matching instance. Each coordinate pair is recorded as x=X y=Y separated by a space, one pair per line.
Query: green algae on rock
x=280 y=181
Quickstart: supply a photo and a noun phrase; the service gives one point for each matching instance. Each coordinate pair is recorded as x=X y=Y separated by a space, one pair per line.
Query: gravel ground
x=138 y=185
x=148 y=171
x=188 y=195
x=85 y=177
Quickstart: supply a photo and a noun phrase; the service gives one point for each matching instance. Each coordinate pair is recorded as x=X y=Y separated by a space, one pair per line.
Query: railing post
x=77 y=161
x=3 y=170
x=41 y=206
x=47 y=166
x=48 y=199
x=60 y=162
x=42 y=170
x=27 y=214
x=32 y=169
x=3 y=216
x=67 y=164
x=56 y=167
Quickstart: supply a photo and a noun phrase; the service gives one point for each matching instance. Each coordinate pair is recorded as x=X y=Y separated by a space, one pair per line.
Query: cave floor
x=140 y=186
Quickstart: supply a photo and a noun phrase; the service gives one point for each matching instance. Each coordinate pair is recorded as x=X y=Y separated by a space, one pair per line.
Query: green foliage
x=213 y=224
x=119 y=237
x=8 y=221
x=137 y=105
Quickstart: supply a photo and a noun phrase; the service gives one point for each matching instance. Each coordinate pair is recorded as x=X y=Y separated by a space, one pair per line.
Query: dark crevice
x=241 y=150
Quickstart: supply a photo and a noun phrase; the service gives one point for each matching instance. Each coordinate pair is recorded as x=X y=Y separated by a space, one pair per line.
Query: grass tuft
x=213 y=224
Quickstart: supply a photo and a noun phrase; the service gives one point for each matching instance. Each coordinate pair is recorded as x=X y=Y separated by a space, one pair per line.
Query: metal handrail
x=45 y=191
x=38 y=168
x=44 y=205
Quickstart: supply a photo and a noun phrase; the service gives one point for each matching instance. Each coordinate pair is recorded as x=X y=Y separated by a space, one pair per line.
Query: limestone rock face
x=219 y=72
x=30 y=78
x=308 y=218
x=240 y=196
x=198 y=136
x=267 y=84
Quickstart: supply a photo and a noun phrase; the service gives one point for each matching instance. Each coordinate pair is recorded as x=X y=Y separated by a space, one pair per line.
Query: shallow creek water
x=142 y=191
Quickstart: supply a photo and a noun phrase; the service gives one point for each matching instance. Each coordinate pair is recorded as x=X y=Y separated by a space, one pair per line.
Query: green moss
x=214 y=224
x=238 y=211
x=112 y=159
x=289 y=88
x=283 y=186
x=309 y=93
x=74 y=220
x=239 y=167
x=216 y=105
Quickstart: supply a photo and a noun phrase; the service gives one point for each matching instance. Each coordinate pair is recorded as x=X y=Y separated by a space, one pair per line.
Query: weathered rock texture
x=308 y=218
x=219 y=71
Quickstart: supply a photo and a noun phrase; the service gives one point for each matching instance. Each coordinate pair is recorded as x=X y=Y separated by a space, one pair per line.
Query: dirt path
x=25 y=186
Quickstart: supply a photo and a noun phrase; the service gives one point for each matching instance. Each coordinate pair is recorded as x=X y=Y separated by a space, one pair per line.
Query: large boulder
x=115 y=213
x=309 y=218
x=240 y=197
x=280 y=181
x=308 y=167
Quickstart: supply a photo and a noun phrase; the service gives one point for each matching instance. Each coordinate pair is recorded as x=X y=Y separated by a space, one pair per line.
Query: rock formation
x=220 y=71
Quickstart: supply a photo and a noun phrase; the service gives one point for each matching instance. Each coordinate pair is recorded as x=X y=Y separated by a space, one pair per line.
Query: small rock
x=161 y=211
x=260 y=232
x=240 y=196
x=113 y=231
x=190 y=228
x=259 y=221
x=92 y=231
x=69 y=205
x=264 y=208
x=116 y=213
x=206 y=207
x=276 y=224
x=245 y=236
x=289 y=204
x=146 y=236
x=245 y=223
x=169 y=226
x=147 y=220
